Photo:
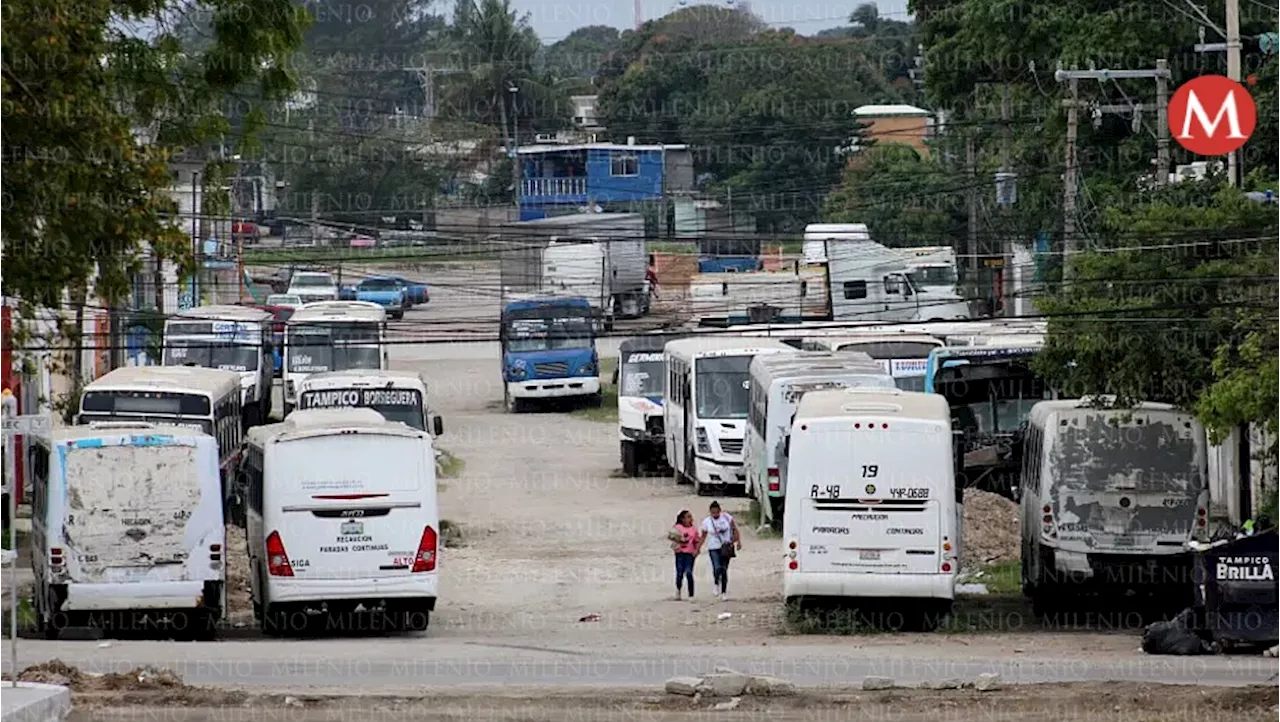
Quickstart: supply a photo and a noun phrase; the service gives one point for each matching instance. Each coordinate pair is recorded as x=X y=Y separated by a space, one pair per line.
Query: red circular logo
x=1212 y=115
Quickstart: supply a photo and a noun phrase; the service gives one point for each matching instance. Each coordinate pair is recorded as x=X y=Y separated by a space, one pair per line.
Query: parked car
x=347 y=293
x=386 y=292
x=415 y=291
x=283 y=300
x=313 y=286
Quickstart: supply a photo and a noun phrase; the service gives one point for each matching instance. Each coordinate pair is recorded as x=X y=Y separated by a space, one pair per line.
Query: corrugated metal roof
x=556 y=148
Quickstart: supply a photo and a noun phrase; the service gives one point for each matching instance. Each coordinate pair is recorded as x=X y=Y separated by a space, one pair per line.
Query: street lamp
x=515 y=145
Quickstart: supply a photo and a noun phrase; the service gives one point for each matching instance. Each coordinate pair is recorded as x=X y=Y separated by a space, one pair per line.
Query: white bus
x=905 y=357
x=342 y=520
x=1110 y=498
x=871 y=500
x=207 y=400
x=397 y=395
x=778 y=382
x=128 y=530
x=708 y=397
x=332 y=336
x=230 y=338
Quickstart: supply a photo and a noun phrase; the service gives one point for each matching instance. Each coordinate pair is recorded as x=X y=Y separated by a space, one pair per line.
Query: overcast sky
x=554 y=19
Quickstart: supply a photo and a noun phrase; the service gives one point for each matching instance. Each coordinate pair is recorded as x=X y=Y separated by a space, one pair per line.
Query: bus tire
x=275 y=621
x=630 y=459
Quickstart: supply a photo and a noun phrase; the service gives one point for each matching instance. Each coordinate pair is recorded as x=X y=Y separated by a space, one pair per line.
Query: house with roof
x=901 y=124
x=556 y=179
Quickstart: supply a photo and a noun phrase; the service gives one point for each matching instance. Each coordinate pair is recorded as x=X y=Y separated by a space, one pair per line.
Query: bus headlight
x=516 y=372
x=704 y=444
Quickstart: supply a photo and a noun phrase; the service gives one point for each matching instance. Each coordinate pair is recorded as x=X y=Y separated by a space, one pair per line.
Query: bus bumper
x=417 y=586
x=711 y=472
x=118 y=596
x=554 y=388
x=896 y=586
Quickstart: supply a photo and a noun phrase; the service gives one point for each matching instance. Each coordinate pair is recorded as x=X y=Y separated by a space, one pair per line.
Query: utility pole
x=1071 y=175
x=1233 y=72
x=971 y=166
x=1162 y=123
x=1069 y=180
x=1007 y=270
x=315 y=194
x=515 y=146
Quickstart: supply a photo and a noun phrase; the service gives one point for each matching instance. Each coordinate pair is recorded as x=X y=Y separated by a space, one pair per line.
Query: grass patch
x=449 y=466
x=607 y=411
x=451 y=534
x=22 y=539
x=1001 y=579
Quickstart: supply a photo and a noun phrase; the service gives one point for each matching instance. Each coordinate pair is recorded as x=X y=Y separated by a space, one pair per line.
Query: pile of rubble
x=729 y=683
x=733 y=685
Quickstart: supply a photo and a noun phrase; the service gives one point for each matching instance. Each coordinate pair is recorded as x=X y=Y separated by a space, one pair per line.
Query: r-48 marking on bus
x=909 y=493
x=832 y=491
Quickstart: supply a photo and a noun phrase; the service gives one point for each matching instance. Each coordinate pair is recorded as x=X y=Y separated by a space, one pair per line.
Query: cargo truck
x=598 y=256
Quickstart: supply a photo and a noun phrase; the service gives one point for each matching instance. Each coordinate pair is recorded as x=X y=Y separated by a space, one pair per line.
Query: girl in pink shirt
x=685 y=541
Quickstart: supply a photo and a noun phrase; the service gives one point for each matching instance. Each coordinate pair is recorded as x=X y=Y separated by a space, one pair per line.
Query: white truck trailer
x=600 y=256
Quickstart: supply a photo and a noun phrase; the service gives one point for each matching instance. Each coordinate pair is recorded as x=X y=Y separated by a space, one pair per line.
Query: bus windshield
x=210 y=354
x=547 y=334
x=723 y=387
x=643 y=378
x=314 y=349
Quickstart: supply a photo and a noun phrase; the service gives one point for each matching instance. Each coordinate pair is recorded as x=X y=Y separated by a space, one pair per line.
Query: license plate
x=350 y=528
x=869 y=556
x=1123 y=541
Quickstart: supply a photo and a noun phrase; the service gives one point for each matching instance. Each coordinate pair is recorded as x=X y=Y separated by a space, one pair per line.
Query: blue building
x=558 y=179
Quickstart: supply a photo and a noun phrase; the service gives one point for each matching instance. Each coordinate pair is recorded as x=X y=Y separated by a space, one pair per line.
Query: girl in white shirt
x=720 y=537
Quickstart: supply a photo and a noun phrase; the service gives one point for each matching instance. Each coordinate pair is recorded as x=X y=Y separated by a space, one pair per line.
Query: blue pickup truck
x=386 y=292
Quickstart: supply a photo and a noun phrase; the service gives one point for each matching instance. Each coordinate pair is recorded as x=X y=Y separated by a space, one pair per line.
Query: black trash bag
x=1175 y=636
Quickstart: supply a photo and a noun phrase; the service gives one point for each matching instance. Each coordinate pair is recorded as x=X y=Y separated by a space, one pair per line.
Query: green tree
x=92 y=115
x=497 y=51
x=1177 y=305
x=581 y=53
x=905 y=199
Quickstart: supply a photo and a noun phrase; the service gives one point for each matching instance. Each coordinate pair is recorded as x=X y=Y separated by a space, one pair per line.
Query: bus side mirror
x=1016 y=493
x=437 y=425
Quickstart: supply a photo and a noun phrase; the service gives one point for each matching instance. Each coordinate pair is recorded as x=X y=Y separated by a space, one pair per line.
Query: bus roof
x=838 y=403
x=647 y=342
x=878 y=338
x=214 y=382
x=366 y=377
x=1043 y=410
x=815 y=359
x=723 y=346
x=224 y=312
x=338 y=311
x=529 y=301
x=850 y=364
x=115 y=429
x=305 y=422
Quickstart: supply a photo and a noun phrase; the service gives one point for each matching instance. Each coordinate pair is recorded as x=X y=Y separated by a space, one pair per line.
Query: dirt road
x=563 y=576
x=1060 y=703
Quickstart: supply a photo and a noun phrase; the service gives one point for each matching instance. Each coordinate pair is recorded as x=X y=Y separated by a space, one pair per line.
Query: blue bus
x=548 y=350
x=991 y=390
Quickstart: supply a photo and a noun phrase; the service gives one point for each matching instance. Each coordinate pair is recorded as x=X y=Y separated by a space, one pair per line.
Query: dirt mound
x=991 y=529
x=137 y=679
x=239 y=593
